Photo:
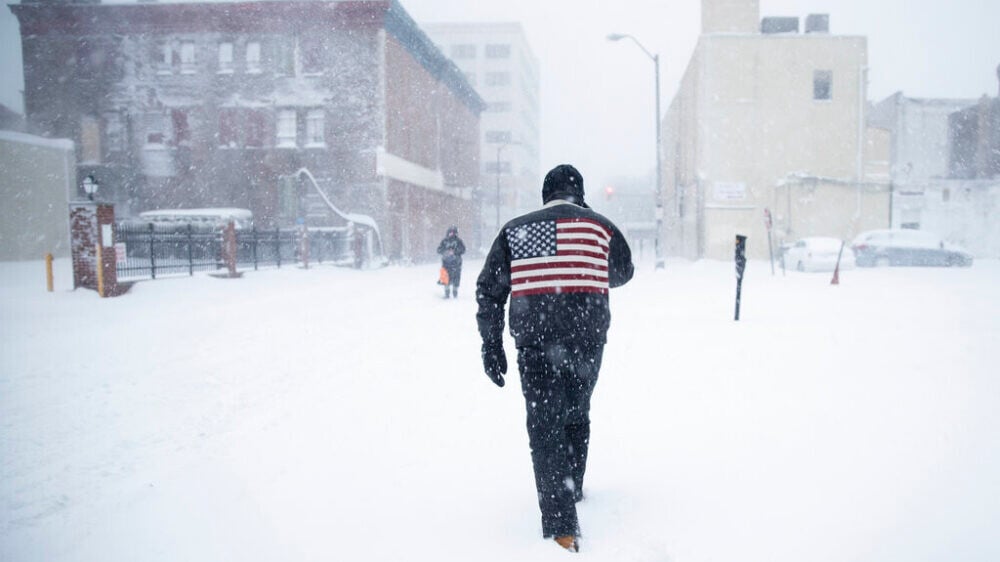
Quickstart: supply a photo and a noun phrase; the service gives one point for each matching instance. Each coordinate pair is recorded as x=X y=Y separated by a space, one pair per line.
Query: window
x=155 y=129
x=284 y=57
x=311 y=55
x=286 y=128
x=188 y=57
x=315 y=134
x=182 y=132
x=253 y=57
x=228 y=128
x=822 y=85
x=497 y=78
x=164 y=59
x=256 y=125
x=497 y=51
x=504 y=168
x=498 y=107
x=498 y=136
x=463 y=51
x=225 y=58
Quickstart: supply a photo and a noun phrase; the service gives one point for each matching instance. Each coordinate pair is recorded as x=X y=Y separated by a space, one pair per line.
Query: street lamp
x=90 y=186
x=659 y=168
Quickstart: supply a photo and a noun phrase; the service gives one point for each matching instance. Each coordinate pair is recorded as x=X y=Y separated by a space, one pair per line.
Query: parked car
x=817 y=253
x=907 y=247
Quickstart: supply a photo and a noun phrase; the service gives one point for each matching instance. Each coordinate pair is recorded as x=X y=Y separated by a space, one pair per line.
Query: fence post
x=277 y=244
x=253 y=242
x=152 y=251
x=190 y=249
x=304 y=246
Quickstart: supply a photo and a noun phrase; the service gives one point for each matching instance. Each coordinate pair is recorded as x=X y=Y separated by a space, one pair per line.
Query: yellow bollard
x=100 y=272
x=48 y=272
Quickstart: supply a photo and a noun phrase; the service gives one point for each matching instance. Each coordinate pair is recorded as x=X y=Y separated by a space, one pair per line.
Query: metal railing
x=149 y=250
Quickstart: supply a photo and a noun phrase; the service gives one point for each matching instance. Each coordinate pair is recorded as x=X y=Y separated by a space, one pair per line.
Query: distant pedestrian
x=451 y=249
x=557 y=265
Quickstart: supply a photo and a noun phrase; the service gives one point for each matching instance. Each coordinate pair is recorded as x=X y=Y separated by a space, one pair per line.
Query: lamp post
x=90 y=186
x=659 y=167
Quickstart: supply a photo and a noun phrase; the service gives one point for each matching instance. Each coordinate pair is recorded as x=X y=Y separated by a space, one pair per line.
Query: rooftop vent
x=779 y=25
x=818 y=23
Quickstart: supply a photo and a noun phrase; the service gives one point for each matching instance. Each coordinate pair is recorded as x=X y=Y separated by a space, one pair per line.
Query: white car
x=818 y=253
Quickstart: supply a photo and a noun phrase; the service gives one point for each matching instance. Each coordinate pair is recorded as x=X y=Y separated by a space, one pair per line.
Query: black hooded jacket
x=557 y=265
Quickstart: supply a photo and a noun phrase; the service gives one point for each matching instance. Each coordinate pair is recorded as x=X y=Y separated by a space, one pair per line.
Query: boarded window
x=822 y=85
x=90 y=139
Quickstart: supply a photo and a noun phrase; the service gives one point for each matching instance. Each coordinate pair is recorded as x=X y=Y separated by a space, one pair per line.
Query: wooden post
x=100 y=271
x=48 y=272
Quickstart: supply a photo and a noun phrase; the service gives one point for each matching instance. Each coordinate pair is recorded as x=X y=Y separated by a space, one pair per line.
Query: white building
x=498 y=61
x=768 y=118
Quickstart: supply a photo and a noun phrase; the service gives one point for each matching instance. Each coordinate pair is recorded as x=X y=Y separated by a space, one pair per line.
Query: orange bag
x=443 y=277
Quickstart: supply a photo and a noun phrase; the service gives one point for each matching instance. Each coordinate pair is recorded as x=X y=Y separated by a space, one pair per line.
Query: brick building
x=185 y=105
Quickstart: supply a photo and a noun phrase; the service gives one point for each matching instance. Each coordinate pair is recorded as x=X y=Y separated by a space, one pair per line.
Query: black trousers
x=557 y=381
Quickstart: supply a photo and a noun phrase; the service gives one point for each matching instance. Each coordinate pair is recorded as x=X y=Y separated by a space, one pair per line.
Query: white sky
x=597 y=96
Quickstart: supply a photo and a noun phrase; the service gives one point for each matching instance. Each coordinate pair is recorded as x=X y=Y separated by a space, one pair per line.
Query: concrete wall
x=39 y=176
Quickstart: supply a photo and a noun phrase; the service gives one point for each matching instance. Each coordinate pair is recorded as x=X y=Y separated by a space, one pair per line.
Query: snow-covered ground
x=331 y=414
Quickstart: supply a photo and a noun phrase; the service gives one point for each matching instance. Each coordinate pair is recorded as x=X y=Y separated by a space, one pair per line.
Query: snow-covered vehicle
x=817 y=253
x=907 y=247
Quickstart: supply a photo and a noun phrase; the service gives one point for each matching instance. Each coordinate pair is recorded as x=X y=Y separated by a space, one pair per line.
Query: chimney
x=818 y=23
x=729 y=16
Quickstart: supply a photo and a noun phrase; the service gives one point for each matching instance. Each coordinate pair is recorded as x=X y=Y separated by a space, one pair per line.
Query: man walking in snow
x=557 y=265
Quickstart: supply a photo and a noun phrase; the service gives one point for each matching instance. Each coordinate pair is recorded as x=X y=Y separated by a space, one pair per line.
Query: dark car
x=906 y=247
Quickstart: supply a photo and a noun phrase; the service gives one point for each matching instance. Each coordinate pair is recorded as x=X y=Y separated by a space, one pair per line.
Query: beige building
x=39 y=179
x=497 y=60
x=768 y=118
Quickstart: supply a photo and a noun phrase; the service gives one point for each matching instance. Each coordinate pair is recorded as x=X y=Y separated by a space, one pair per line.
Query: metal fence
x=148 y=250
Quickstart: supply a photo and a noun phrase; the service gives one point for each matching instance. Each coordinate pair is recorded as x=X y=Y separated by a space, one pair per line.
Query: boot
x=454 y=292
x=445 y=291
x=568 y=542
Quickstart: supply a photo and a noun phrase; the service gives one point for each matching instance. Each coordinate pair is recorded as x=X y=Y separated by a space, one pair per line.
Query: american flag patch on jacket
x=559 y=256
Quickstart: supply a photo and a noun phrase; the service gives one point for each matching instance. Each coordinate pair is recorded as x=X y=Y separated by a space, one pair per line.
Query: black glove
x=494 y=362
